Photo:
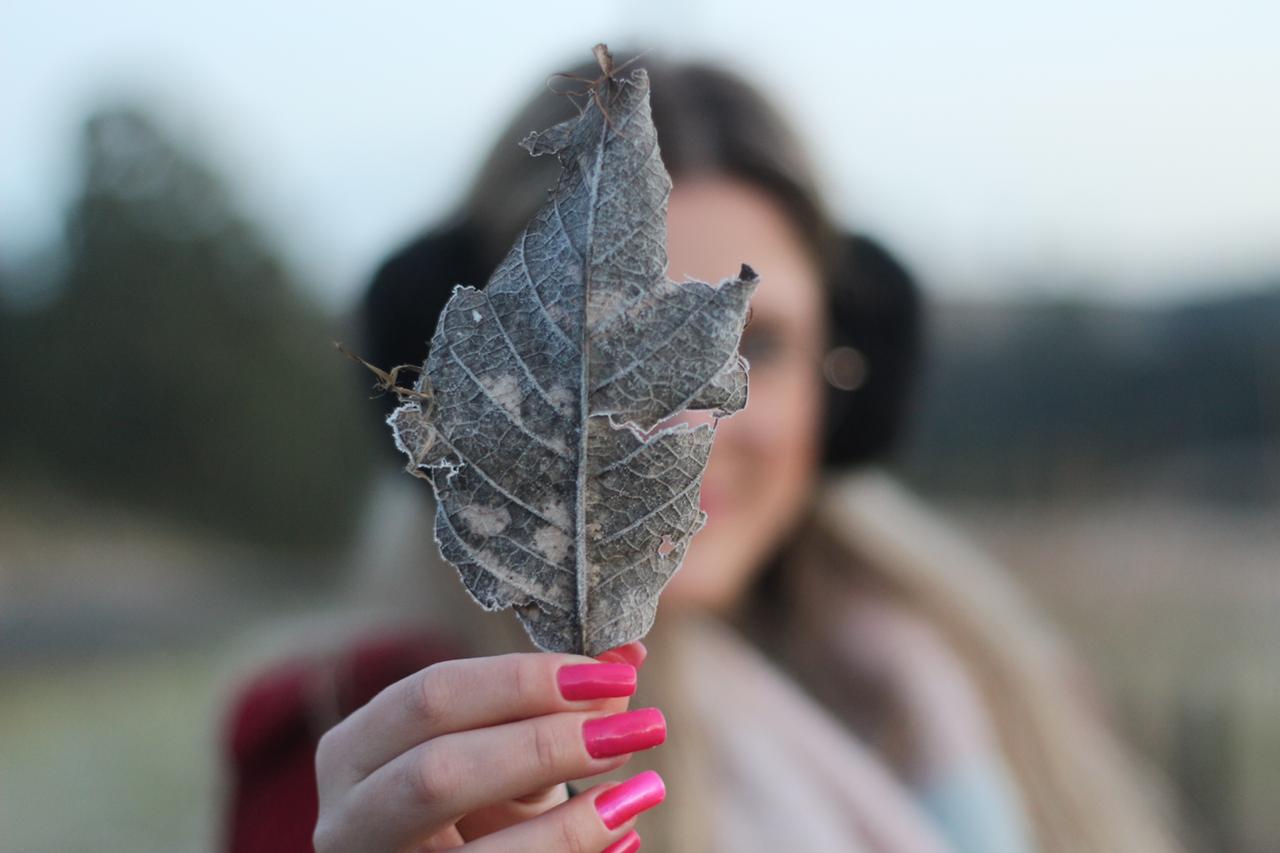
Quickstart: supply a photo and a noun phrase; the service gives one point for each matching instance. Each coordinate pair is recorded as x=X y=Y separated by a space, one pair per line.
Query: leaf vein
x=510 y=416
x=484 y=475
x=618 y=534
x=505 y=577
x=528 y=277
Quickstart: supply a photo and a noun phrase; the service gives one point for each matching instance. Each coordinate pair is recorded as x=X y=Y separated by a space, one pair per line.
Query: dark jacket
x=275 y=720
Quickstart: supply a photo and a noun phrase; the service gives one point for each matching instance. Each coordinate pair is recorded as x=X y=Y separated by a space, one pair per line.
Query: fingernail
x=596 y=680
x=633 y=653
x=622 y=802
x=628 y=843
x=618 y=734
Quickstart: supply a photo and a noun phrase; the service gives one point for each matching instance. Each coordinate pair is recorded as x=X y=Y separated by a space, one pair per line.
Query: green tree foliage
x=181 y=369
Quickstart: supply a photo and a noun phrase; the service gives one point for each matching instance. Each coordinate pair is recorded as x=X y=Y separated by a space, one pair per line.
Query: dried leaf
x=555 y=494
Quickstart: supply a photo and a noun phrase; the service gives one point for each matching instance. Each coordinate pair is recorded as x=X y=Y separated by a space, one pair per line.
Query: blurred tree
x=1060 y=399
x=181 y=369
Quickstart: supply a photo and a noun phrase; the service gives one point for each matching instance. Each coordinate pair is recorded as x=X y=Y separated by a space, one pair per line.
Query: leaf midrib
x=584 y=392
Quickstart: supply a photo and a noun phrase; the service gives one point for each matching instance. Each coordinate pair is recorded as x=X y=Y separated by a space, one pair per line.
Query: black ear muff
x=870 y=370
x=402 y=304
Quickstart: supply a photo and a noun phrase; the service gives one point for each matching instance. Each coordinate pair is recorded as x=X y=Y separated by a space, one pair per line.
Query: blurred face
x=765 y=458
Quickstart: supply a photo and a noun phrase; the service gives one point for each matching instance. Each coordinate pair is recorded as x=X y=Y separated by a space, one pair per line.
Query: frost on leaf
x=555 y=495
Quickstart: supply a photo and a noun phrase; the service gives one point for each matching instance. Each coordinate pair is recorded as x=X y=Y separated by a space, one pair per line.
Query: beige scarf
x=786 y=775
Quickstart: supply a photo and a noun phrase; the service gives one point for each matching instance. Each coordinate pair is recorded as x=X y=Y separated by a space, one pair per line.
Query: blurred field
x=110 y=754
x=120 y=640
x=1175 y=607
x=109 y=712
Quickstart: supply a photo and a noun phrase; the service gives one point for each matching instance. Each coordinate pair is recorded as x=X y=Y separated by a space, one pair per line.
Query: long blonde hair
x=1083 y=793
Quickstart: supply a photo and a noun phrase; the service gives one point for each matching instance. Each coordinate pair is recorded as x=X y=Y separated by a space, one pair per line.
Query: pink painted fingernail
x=619 y=734
x=628 y=843
x=633 y=653
x=622 y=802
x=596 y=680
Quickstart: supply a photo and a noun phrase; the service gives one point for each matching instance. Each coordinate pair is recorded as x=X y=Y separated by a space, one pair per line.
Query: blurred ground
x=1174 y=606
x=120 y=640
x=110 y=694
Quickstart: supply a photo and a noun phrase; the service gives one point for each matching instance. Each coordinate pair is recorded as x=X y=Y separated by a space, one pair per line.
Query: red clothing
x=276 y=719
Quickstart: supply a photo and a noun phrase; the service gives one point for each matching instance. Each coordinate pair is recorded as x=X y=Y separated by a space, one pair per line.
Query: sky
x=1116 y=149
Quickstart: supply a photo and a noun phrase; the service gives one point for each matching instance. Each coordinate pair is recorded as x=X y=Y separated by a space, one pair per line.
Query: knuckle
x=549 y=747
x=572 y=837
x=432 y=777
x=428 y=694
x=322 y=838
x=327 y=835
x=332 y=762
x=326 y=748
x=528 y=679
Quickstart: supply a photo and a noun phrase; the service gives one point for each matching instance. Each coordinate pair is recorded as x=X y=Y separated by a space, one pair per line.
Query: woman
x=834 y=671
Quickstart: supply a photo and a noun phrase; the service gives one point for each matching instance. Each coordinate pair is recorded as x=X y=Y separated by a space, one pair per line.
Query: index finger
x=471 y=693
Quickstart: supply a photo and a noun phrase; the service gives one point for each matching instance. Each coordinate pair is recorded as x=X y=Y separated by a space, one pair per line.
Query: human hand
x=474 y=754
